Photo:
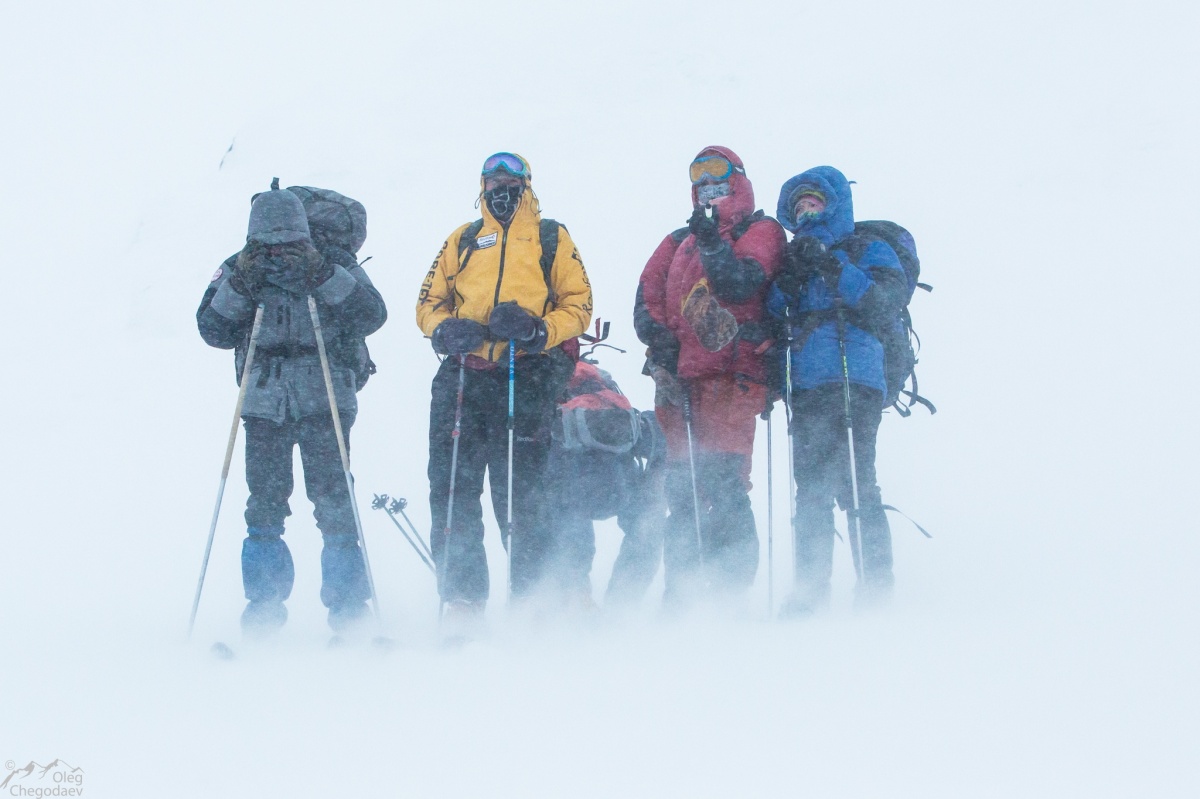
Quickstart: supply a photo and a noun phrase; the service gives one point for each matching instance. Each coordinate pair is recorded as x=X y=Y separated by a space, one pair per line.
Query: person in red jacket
x=700 y=312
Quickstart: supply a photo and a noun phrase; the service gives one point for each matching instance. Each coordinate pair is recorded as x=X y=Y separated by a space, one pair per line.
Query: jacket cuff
x=853 y=284
x=231 y=305
x=337 y=288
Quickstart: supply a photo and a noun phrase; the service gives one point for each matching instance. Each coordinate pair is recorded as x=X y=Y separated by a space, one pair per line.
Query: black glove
x=247 y=276
x=511 y=321
x=792 y=276
x=830 y=269
x=806 y=251
x=705 y=229
x=457 y=336
x=810 y=256
x=668 y=390
x=300 y=269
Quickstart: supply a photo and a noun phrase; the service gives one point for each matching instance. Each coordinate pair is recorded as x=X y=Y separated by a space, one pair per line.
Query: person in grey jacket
x=286 y=401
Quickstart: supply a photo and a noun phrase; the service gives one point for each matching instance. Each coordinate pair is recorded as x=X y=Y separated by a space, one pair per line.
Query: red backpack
x=594 y=414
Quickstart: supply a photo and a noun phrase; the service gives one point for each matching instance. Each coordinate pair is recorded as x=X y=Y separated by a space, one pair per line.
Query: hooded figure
x=699 y=310
x=834 y=290
x=488 y=289
x=287 y=404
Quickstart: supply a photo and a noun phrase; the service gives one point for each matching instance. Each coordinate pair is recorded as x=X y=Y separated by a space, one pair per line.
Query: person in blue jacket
x=834 y=286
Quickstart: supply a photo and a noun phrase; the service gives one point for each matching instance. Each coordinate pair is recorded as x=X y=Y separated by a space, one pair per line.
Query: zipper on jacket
x=499 y=280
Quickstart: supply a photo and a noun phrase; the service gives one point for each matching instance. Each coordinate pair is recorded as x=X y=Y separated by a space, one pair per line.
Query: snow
x=1043 y=644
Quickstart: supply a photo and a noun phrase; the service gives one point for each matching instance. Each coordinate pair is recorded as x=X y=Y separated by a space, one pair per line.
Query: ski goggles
x=712 y=168
x=801 y=193
x=507 y=162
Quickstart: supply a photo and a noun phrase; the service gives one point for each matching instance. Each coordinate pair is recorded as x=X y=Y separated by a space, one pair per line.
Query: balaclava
x=707 y=192
x=503 y=200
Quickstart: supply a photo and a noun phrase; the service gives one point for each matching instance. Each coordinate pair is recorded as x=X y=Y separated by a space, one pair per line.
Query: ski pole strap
x=894 y=509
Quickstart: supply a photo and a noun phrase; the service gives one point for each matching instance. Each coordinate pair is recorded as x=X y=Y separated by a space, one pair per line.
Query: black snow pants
x=267 y=571
x=823 y=475
x=483 y=446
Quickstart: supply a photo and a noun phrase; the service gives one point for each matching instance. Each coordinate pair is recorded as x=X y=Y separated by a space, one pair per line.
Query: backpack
x=897 y=337
x=336 y=220
x=593 y=414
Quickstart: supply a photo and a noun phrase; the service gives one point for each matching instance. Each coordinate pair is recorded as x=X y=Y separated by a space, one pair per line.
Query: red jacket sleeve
x=650 y=306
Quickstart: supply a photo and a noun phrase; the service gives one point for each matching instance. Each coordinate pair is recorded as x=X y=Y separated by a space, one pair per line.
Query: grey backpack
x=339 y=221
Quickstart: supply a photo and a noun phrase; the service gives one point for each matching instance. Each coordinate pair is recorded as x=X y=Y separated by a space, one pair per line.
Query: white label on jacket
x=483 y=242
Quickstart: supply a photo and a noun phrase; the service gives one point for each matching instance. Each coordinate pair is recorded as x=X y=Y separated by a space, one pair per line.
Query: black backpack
x=338 y=221
x=897 y=337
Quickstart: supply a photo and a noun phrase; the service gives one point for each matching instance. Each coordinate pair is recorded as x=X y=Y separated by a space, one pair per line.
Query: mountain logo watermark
x=56 y=778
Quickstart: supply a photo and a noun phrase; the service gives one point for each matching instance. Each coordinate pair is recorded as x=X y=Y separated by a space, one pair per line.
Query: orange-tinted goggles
x=711 y=168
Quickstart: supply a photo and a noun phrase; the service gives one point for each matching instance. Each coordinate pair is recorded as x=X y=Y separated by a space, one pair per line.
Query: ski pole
x=381 y=503
x=455 y=435
x=855 y=533
x=237 y=417
x=512 y=383
x=787 y=417
x=687 y=421
x=770 y=518
x=398 y=506
x=341 y=441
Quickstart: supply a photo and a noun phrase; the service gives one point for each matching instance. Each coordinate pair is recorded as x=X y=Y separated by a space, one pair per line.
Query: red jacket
x=703 y=314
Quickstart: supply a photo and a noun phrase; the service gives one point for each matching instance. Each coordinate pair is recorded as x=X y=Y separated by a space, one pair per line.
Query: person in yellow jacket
x=508 y=279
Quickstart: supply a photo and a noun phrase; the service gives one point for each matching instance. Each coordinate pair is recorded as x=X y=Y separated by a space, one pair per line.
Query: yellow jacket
x=506 y=265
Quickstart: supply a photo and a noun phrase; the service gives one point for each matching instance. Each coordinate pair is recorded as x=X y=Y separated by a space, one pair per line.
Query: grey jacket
x=286 y=381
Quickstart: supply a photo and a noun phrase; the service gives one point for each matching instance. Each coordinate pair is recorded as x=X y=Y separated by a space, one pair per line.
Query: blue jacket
x=873 y=288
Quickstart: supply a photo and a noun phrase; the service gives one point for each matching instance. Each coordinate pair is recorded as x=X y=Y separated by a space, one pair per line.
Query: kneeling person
x=608 y=460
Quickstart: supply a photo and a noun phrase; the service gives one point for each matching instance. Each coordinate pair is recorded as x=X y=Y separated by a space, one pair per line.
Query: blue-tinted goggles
x=506 y=162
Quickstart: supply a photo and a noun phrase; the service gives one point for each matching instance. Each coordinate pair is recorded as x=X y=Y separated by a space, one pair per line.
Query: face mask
x=707 y=192
x=502 y=201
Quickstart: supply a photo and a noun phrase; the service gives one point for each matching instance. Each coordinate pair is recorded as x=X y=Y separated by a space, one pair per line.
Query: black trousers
x=266 y=563
x=823 y=476
x=269 y=448
x=483 y=447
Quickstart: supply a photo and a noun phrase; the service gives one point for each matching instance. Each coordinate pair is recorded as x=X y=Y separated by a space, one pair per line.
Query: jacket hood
x=529 y=201
x=741 y=192
x=835 y=222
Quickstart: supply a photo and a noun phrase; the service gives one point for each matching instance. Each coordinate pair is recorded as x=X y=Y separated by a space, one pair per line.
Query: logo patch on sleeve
x=483 y=242
x=217 y=275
